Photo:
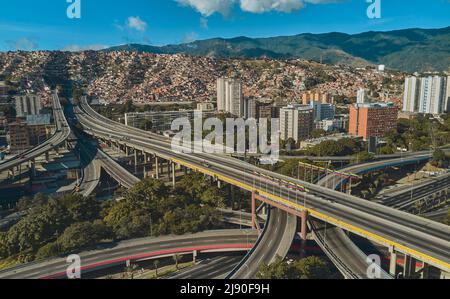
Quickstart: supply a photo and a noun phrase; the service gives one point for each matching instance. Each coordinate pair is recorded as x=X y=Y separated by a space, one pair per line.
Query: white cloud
x=260 y=6
x=190 y=37
x=24 y=44
x=79 y=48
x=209 y=7
x=137 y=24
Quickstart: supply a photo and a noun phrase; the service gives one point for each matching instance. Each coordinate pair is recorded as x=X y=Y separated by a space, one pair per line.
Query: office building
x=329 y=125
x=230 y=97
x=372 y=120
x=160 y=121
x=323 y=111
x=296 y=122
x=28 y=105
x=411 y=94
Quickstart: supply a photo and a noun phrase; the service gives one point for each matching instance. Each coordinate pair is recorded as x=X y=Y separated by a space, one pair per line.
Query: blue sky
x=43 y=24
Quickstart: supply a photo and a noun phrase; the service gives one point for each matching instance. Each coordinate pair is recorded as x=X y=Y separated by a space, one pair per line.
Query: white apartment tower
x=432 y=95
x=447 y=97
x=230 y=96
x=221 y=94
x=411 y=95
x=28 y=105
x=362 y=96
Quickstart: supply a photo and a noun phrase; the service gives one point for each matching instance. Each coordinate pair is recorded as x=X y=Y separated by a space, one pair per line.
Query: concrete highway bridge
x=413 y=236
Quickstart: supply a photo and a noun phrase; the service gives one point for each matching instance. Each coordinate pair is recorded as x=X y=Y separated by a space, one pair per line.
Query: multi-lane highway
x=405 y=198
x=136 y=250
x=275 y=242
x=61 y=134
x=418 y=237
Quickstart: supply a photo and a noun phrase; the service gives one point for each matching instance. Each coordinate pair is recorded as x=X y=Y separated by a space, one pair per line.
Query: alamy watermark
x=374 y=9
x=73 y=271
x=74 y=9
x=241 y=136
x=374 y=266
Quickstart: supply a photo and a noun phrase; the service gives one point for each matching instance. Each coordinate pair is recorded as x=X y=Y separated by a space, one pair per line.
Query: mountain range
x=408 y=50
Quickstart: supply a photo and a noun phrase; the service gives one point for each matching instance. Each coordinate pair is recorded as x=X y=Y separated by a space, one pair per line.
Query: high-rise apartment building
x=296 y=122
x=230 y=97
x=426 y=95
x=372 y=120
x=447 y=97
x=324 y=98
x=221 y=94
x=28 y=105
x=411 y=94
x=251 y=106
x=362 y=96
x=432 y=95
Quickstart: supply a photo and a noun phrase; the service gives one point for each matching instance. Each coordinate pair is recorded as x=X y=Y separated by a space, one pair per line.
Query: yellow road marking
x=314 y=213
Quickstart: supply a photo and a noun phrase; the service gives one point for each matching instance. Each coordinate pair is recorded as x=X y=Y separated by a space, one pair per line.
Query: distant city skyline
x=44 y=25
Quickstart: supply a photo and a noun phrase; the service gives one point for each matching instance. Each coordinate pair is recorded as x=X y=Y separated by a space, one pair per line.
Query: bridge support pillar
x=304 y=225
x=350 y=185
x=194 y=256
x=47 y=157
x=127 y=151
x=254 y=217
x=157 y=168
x=303 y=233
x=393 y=262
x=32 y=167
x=409 y=267
x=426 y=271
x=219 y=184
x=174 y=177
x=147 y=161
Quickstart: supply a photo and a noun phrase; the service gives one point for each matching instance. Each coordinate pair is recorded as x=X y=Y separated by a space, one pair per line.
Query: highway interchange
x=423 y=239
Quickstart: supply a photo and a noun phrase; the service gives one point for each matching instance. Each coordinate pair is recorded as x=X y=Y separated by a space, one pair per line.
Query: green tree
x=83 y=234
x=312 y=268
x=439 y=158
x=277 y=270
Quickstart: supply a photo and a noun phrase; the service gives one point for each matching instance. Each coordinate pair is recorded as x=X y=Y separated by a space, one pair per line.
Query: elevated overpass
x=60 y=136
x=138 y=250
x=416 y=237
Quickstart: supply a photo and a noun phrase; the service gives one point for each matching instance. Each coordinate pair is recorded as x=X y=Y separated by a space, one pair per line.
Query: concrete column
x=393 y=262
x=219 y=184
x=409 y=267
x=426 y=271
x=194 y=256
x=254 y=217
x=47 y=157
x=304 y=225
x=32 y=169
x=127 y=151
x=174 y=178
x=157 y=168
x=350 y=185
